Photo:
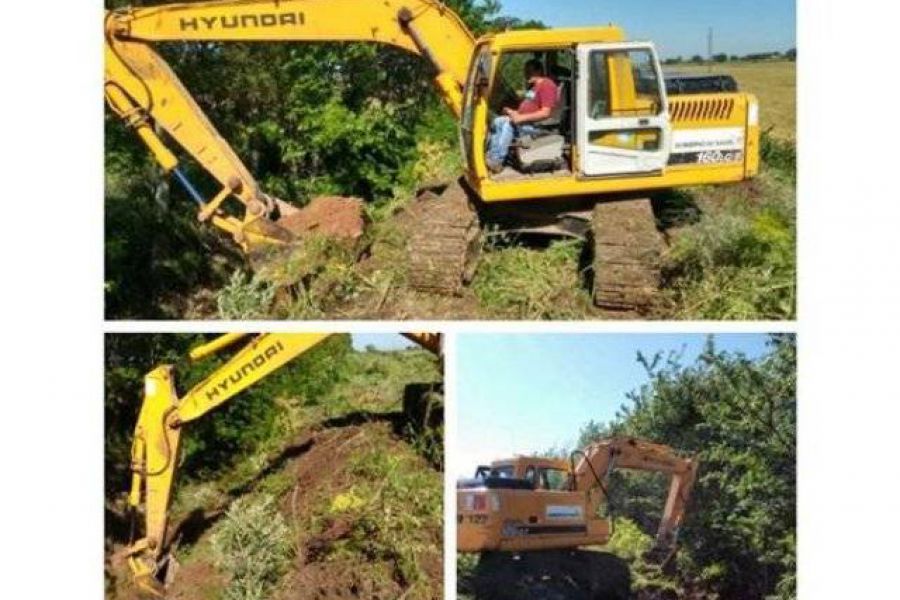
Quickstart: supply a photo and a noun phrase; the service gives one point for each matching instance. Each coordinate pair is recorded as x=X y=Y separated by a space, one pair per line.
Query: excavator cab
x=610 y=117
x=613 y=128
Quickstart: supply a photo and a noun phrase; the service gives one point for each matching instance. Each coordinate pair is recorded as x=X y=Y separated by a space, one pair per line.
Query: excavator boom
x=146 y=94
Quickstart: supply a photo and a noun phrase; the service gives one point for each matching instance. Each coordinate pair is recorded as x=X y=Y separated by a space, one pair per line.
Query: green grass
x=518 y=282
x=739 y=261
x=395 y=503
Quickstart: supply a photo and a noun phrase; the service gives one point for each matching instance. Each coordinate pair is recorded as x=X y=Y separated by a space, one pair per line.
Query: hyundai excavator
x=531 y=504
x=161 y=423
x=613 y=136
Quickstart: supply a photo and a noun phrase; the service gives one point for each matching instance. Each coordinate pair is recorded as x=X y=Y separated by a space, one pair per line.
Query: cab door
x=623 y=117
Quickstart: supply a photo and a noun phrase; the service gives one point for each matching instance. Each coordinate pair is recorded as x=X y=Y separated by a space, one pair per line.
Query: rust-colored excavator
x=530 y=504
x=613 y=134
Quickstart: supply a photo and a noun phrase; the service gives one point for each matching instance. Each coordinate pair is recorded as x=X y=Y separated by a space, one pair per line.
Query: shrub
x=253 y=546
x=778 y=154
x=245 y=298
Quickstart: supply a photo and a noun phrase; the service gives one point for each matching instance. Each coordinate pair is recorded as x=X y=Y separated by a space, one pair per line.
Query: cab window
x=623 y=83
x=529 y=475
x=553 y=479
x=504 y=472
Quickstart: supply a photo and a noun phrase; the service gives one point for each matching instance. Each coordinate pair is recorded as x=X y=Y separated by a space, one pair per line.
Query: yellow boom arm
x=144 y=91
x=157 y=435
x=597 y=461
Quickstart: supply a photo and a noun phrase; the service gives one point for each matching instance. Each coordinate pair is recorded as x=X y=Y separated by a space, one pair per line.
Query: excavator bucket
x=661 y=556
x=150 y=577
x=334 y=218
x=331 y=216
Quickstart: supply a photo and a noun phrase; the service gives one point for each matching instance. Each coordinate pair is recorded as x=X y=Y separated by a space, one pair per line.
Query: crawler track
x=549 y=575
x=627 y=249
x=444 y=245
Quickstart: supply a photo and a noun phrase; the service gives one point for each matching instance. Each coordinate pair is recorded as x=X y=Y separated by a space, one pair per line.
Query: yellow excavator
x=161 y=424
x=530 y=503
x=613 y=135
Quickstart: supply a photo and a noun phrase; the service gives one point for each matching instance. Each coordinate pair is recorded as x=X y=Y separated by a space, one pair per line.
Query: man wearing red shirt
x=541 y=97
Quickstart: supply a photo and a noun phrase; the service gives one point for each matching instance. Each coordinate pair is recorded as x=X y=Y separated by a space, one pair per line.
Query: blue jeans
x=502 y=134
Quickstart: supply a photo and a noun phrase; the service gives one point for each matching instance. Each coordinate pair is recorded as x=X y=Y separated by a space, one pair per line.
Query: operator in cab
x=540 y=98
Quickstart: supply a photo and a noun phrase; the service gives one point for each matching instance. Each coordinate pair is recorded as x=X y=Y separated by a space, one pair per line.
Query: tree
x=697 y=59
x=739 y=416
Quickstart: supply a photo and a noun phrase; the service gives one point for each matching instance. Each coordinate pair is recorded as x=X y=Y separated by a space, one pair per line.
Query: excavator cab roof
x=553 y=37
x=518 y=464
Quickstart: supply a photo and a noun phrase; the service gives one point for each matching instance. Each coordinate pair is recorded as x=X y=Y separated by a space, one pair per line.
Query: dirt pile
x=309 y=478
x=331 y=216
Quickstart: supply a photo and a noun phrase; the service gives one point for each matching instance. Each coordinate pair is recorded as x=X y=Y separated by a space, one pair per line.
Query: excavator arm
x=145 y=93
x=597 y=461
x=161 y=421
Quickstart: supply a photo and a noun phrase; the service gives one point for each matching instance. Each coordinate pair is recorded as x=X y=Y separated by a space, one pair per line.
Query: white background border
x=51 y=442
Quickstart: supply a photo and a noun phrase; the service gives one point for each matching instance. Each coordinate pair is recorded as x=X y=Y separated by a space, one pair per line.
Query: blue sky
x=521 y=393
x=678 y=27
x=382 y=341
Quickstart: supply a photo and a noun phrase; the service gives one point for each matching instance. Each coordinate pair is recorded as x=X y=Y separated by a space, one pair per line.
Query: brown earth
x=331 y=216
x=318 y=463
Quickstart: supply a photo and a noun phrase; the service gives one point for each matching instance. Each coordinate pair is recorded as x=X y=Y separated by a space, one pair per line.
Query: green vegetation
x=739 y=261
x=391 y=502
x=253 y=545
x=739 y=417
x=311 y=471
x=632 y=544
x=518 y=282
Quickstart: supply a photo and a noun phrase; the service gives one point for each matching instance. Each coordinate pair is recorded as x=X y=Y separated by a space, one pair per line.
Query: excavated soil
x=331 y=216
x=317 y=462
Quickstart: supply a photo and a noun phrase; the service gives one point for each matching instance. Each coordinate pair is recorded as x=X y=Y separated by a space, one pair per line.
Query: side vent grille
x=718 y=109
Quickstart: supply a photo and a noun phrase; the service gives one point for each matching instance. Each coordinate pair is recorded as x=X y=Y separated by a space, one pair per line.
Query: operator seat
x=543 y=151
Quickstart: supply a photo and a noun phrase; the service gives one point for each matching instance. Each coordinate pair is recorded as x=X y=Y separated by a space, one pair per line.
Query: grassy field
x=773 y=82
